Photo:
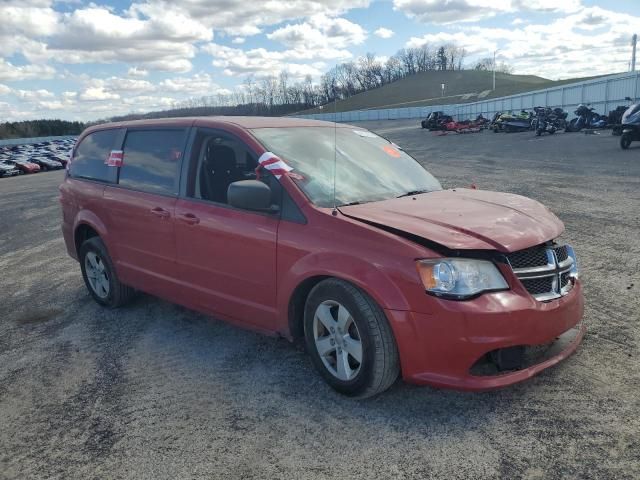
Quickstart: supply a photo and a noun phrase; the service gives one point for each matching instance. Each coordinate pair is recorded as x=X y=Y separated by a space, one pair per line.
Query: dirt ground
x=157 y=391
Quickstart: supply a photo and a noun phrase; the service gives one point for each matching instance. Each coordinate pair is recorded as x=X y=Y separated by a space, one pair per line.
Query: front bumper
x=440 y=348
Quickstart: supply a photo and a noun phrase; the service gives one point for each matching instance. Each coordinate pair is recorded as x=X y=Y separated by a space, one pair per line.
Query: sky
x=81 y=60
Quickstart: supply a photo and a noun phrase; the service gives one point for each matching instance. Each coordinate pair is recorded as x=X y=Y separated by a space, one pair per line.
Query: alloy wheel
x=337 y=340
x=96 y=274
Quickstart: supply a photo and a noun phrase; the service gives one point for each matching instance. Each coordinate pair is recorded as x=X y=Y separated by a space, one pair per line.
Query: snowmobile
x=507 y=122
x=630 y=126
x=436 y=121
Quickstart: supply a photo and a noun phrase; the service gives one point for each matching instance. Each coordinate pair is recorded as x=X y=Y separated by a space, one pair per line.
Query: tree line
x=39 y=128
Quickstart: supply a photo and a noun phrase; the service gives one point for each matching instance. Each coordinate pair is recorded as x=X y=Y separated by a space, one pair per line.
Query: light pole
x=494 y=69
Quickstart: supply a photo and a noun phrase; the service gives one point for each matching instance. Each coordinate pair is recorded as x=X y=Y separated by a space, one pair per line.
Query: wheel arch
x=372 y=281
x=88 y=225
x=297 y=301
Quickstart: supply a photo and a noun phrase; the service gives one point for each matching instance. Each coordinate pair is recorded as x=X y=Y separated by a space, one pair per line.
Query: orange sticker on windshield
x=391 y=151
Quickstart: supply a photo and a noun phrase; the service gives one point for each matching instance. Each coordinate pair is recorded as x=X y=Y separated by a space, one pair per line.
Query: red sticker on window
x=175 y=154
x=115 y=158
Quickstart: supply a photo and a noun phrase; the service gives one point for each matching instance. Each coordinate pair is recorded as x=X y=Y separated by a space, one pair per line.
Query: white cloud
x=4 y=89
x=137 y=72
x=320 y=32
x=265 y=63
x=238 y=40
x=30 y=95
x=196 y=85
x=93 y=94
x=96 y=34
x=471 y=43
x=591 y=41
x=10 y=72
x=383 y=32
x=453 y=11
x=245 y=18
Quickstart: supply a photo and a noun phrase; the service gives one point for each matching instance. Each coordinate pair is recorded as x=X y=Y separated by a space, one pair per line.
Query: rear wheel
x=100 y=276
x=349 y=339
x=625 y=141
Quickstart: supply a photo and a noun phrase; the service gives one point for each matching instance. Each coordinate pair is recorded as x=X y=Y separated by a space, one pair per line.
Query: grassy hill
x=424 y=89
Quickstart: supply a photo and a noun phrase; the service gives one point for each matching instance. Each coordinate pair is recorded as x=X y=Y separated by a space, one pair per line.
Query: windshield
x=367 y=167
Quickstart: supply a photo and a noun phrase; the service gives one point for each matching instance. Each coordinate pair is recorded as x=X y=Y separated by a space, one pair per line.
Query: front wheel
x=349 y=339
x=625 y=141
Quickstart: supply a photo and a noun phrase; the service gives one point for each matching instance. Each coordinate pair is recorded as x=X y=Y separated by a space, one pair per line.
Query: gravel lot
x=158 y=391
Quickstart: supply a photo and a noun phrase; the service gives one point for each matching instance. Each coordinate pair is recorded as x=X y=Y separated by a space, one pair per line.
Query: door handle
x=189 y=218
x=160 y=212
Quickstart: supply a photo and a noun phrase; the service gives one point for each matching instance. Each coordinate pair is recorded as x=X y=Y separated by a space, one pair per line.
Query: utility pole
x=634 y=41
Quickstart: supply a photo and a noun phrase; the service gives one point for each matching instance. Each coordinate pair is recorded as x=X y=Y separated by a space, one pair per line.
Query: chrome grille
x=531 y=257
x=538 y=286
x=546 y=272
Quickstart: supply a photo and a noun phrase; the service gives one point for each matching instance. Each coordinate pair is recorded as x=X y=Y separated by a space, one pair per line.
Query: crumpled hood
x=465 y=219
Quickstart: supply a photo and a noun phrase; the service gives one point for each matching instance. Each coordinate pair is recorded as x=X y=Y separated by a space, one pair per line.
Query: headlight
x=460 y=278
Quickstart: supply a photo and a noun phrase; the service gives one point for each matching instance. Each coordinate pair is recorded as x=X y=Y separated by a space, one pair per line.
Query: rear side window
x=152 y=160
x=90 y=156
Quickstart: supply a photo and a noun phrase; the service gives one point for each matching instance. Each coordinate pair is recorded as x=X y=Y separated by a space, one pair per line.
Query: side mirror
x=250 y=195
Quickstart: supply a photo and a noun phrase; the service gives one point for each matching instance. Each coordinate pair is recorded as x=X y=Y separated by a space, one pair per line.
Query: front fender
x=374 y=280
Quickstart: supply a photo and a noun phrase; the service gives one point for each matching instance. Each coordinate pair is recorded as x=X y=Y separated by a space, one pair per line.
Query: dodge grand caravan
x=328 y=234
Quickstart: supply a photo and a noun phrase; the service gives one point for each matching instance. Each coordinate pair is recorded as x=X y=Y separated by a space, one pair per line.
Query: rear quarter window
x=91 y=154
x=152 y=160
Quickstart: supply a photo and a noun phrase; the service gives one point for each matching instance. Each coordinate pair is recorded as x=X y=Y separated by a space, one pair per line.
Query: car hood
x=465 y=219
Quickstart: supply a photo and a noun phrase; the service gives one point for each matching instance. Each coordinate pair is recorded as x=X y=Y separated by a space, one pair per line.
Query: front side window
x=152 y=160
x=89 y=160
x=367 y=167
x=218 y=159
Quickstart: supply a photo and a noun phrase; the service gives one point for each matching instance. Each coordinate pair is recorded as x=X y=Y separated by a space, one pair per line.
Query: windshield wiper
x=412 y=193
x=350 y=203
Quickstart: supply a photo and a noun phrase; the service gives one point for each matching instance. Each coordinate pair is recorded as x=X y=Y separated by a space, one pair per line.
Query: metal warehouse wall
x=604 y=94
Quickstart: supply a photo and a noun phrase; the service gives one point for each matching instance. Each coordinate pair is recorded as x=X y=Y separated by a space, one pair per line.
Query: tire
x=366 y=325
x=538 y=132
x=115 y=294
x=625 y=141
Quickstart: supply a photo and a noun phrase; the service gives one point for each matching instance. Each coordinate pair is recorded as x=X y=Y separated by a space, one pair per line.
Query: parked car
x=378 y=269
x=24 y=166
x=46 y=163
x=8 y=170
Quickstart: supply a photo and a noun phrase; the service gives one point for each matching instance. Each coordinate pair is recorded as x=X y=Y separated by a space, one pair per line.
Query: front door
x=227 y=256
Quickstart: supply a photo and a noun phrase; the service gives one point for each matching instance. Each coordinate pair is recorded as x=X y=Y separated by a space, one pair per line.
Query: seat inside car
x=217 y=171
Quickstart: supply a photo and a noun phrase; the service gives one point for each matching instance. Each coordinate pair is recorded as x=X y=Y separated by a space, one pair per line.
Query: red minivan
x=327 y=233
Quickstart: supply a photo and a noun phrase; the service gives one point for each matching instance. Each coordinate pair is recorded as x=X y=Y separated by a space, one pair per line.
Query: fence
x=604 y=94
